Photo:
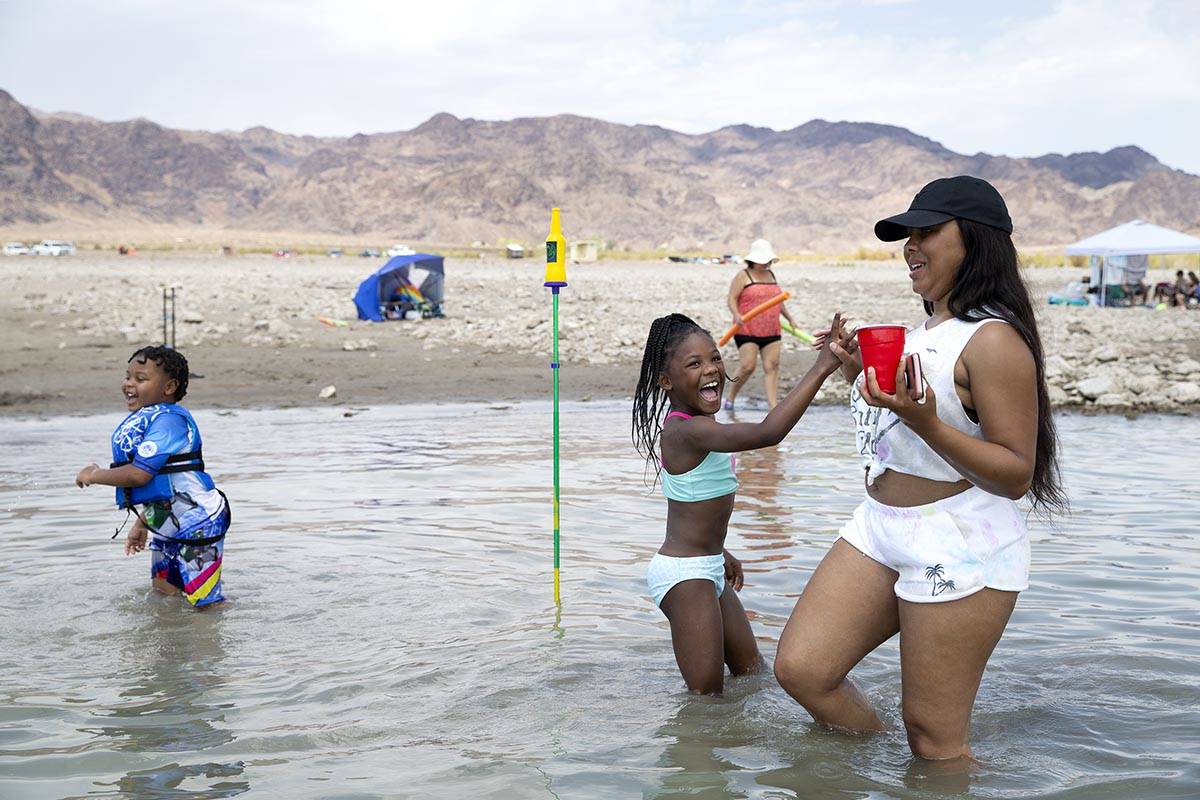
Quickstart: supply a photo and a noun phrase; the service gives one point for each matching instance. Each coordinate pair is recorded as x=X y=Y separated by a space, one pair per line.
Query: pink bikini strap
x=677 y=414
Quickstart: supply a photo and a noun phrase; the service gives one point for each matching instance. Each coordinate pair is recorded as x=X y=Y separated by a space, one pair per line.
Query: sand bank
x=249 y=327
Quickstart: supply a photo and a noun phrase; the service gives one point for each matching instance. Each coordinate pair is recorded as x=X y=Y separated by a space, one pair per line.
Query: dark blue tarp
x=377 y=290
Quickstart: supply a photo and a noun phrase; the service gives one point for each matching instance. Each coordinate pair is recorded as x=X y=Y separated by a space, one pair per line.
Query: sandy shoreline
x=248 y=325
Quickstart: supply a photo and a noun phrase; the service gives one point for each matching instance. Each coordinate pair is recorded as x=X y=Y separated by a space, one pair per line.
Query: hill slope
x=817 y=186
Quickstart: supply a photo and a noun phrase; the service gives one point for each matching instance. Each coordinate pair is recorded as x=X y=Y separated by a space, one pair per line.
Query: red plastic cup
x=882 y=347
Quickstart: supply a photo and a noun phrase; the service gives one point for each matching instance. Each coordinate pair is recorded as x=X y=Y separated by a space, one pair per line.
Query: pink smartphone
x=913 y=375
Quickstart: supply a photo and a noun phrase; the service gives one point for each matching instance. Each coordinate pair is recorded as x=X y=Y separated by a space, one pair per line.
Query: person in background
x=751 y=287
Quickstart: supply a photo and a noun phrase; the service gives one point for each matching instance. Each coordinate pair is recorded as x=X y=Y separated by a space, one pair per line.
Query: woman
x=751 y=286
x=939 y=550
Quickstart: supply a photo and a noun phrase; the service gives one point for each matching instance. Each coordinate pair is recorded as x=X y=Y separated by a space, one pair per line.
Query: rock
x=261 y=324
x=1058 y=395
x=192 y=318
x=1186 y=392
x=1142 y=384
x=277 y=327
x=1187 y=367
x=1093 y=388
x=1058 y=367
x=349 y=345
x=38 y=323
x=1153 y=400
x=1106 y=353
x=327 y=392
x=1112 y=400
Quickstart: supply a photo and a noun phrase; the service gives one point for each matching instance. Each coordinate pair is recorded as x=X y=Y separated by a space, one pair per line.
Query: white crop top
x=884 y=442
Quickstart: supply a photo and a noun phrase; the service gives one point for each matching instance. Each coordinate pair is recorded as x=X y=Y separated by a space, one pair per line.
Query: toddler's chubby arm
x=706 y=434
x=126 y=476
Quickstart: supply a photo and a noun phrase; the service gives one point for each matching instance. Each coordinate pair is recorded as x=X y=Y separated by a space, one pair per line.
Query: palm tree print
x=934 y=574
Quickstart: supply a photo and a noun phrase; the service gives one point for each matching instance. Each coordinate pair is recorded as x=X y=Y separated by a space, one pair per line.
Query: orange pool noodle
x=751 y=314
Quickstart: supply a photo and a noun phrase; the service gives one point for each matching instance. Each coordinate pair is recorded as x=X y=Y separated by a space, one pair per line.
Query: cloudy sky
x=1020 y=78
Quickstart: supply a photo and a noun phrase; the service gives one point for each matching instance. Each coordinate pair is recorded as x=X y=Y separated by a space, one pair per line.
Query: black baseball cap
x=960 y=197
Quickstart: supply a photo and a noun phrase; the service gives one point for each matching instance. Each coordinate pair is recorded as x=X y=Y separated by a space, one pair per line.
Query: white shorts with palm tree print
x=945 y=550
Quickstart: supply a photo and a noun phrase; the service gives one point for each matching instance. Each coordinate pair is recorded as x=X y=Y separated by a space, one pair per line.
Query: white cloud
x=1081 y=74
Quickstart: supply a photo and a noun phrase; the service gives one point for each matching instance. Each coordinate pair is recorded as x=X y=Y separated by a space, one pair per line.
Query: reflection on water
x=391 y=632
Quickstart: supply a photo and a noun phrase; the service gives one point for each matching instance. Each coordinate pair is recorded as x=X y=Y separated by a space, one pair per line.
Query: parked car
x=335 y=253
x=53 y=247
x=400 y=250
x=369 y=253
x=15 y=249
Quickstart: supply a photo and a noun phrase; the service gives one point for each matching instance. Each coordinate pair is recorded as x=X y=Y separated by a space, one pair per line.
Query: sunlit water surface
x=391 y=631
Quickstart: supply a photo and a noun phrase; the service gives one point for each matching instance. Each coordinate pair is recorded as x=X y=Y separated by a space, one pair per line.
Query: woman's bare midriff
x=898 y=489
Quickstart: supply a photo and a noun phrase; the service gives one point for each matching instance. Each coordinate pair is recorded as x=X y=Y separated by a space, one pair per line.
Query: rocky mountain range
x=816 y=187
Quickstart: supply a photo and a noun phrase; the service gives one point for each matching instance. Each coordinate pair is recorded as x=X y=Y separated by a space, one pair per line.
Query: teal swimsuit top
x=712 y=477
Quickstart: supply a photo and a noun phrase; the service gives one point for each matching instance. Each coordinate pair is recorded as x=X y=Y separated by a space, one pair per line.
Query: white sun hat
x=761 y=252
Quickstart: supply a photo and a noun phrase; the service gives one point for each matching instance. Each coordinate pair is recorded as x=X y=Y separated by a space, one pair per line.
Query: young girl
x=158 y=465
x=687 y=577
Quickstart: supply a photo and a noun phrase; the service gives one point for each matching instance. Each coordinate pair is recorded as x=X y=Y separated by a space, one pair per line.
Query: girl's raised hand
x=733 y=571
x=917 y=415
x=827 y=357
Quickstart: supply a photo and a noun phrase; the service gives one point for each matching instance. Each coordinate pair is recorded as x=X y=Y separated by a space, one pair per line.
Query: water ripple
x=391 y=629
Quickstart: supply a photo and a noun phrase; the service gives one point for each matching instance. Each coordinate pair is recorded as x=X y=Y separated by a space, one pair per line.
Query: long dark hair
x=989 y=284
x=649 y=399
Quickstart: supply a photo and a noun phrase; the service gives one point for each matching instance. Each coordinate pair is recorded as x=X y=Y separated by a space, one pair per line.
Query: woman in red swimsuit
x=750 y=287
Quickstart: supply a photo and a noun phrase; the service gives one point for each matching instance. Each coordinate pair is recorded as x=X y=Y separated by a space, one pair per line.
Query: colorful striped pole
x=556 y=278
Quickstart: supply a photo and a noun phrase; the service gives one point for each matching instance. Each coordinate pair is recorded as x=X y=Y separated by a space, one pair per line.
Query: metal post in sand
x=556 y=278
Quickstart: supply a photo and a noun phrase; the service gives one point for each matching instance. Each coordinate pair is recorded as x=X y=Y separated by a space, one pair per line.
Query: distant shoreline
x=250 y=326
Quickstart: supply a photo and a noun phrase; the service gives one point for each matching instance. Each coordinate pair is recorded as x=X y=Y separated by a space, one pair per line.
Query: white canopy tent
x=1120 y=255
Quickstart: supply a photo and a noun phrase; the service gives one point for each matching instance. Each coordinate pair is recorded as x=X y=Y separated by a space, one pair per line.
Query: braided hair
x=170 y=361
x=649 y=399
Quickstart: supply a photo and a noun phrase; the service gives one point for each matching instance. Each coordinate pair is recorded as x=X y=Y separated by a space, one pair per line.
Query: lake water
x=391 y=630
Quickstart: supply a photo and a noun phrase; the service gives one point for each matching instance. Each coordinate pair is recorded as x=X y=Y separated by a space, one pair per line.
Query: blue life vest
x=180 y=446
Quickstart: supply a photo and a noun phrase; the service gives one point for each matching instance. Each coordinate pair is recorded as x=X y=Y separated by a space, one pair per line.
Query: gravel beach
x=250 y=329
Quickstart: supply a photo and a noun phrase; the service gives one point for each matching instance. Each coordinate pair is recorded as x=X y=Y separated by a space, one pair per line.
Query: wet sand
x=249 y=327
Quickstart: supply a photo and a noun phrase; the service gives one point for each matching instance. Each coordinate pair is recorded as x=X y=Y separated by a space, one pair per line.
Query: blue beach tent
x=423 y=270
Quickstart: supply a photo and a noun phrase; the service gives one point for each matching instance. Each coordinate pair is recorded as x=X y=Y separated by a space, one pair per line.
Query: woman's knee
x=804 y=676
